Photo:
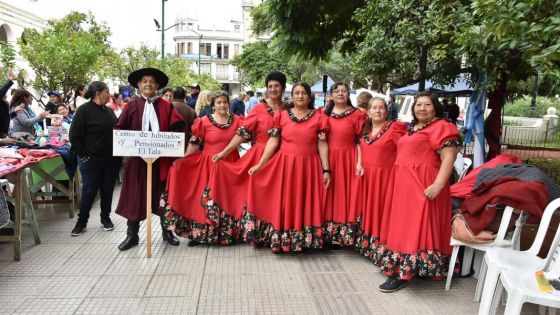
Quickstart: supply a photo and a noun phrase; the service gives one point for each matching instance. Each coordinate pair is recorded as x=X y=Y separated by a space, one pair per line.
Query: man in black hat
x=54 y=101
x=147 y=113
x=193 y=96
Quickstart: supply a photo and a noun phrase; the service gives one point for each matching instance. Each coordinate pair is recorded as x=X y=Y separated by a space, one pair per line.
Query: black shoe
x=170 y=238
x=392 y=285
x=107 y=224
x=334 y=246
x=129 y=242
x=79 y=229
x=193 y=243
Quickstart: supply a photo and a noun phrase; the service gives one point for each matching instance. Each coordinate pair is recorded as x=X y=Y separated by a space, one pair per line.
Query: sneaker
x=107 y=224
x=392 y=285
x=79 y=229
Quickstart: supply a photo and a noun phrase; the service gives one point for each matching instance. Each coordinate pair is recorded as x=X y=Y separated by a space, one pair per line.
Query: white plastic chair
x=499 y=241
x=466 y=165
x=498 y=259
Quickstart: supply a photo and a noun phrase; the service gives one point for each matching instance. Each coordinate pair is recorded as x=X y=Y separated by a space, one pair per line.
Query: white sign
x=148 y=144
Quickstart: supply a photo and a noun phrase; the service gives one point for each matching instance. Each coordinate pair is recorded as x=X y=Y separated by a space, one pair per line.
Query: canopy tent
x=459 y=87
x=372 y=93
x=318 y=87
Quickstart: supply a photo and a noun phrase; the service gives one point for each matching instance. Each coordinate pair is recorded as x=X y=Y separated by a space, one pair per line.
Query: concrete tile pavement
x=88 y=275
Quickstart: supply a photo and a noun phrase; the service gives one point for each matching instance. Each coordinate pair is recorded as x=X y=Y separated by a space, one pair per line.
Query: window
x=182 y=49
x=235 y=50
x=189 y=48
x=221 y=72
x=205 y=68
x=226 y=51
x=237 y=28
x=219 y=51
x=177 y=49
x=206 y=49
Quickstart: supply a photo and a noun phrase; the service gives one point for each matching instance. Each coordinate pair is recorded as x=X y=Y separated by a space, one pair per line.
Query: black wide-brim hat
x=136 y=76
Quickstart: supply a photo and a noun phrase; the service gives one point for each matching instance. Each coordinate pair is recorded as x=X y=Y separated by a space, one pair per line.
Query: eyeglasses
x=336 y=91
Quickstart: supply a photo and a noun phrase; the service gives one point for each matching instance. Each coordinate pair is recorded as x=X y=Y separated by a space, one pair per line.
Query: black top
x=91 y=131
x=5 y=114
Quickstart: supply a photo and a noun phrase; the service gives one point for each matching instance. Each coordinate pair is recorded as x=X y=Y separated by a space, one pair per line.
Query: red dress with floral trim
x=379 y=152
x=415 y=231
x=286 y=197
x=343 y=202
x=184 y=201
x=227 y=190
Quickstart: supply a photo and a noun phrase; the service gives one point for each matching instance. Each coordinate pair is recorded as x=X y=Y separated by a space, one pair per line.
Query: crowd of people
x=339 y=176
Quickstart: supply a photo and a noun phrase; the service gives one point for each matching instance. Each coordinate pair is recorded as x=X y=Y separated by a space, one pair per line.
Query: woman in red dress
x=188 y=177
x=418 y=228
x=227 y=190
x=286 y=196
x=378 y=144
x=343 y=205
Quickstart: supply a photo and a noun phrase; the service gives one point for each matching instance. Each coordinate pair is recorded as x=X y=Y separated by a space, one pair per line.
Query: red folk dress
x=227 y=190
x=343 y=203
x=184 y=201
x=379 y=152
x=415 y=231
x=286 y=197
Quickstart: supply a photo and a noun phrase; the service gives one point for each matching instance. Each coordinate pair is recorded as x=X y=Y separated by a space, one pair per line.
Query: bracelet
x=326 y=171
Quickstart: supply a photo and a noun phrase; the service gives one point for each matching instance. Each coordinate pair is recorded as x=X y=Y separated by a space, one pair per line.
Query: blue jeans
x=97 y=175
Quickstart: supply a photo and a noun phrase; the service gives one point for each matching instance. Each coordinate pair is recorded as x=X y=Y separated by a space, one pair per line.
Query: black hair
x=165 y=90
x=18 y=97
x=93 y=88
x=179 y=93
x=276 y=76
x=433 y=97
x=116 y=95
x=251 y=93
x=330 y=105
x=57 y=106
x=307 y=89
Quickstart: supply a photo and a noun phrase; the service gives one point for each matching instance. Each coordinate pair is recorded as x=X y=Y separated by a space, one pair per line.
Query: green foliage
x=521 y=107
x=118 y=66
x=7 y=59
x=514 y=38
x=64 y=55
x=548 y=166
x=258 y=59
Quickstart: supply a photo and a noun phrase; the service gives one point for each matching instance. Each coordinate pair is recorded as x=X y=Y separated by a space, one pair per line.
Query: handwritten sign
x=148 y=144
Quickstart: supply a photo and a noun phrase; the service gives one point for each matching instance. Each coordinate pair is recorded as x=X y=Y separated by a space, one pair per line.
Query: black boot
x=132 y=238
x=167 y=235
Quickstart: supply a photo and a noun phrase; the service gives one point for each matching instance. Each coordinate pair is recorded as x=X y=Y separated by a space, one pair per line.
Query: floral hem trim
x=274 y=132
x=368 y=246
x=304 y=118
x=261 y=233
x=411 y=130
x=344 y=113
x=370 y=140
x=221 y=126
x=425 y=263
x=195 y=140
x=244 y=133
x=343 y=234
x=226 y=231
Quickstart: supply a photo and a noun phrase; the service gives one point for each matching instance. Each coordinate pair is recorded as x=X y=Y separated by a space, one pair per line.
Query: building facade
x=212 y=46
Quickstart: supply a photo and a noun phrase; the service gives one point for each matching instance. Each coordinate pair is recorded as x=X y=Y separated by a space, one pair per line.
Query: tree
x=258 y=59
x=406 y=40
x=118 y=66
x=64 y=55
x=7 y=59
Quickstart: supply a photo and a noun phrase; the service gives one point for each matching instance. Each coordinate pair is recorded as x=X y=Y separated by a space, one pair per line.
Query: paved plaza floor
x=89 y=275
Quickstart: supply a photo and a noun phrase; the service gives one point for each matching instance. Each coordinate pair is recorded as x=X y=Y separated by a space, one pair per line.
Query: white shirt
x=149 y=118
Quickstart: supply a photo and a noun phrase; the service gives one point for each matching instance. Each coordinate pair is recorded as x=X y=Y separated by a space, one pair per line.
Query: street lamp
x=161 y=28
x=199 y=38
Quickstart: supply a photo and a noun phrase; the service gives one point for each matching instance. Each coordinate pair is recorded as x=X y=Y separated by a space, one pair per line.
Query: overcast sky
x=131 y=21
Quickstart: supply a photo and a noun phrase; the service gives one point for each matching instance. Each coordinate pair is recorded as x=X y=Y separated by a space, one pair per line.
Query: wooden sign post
x=149 y=146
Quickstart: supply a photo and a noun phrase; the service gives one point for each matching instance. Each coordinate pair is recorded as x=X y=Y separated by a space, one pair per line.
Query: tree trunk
x=493 y=124
x=422 y=65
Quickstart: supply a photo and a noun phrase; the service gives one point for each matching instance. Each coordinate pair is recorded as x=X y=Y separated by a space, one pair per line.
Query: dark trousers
x=97 y=176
